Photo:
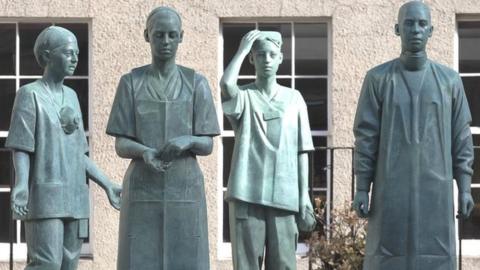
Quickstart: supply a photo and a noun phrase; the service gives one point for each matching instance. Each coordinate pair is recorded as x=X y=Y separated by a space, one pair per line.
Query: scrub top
x=269 y=135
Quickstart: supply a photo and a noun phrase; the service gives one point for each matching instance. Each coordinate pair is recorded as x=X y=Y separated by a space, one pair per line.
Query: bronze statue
x=51 y=165
x=162 y=118
x=412 y=138
x=268 y=182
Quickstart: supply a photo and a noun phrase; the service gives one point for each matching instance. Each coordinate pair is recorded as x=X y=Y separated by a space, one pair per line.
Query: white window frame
x=470 y=248
x=20 y=249
x=224 y=249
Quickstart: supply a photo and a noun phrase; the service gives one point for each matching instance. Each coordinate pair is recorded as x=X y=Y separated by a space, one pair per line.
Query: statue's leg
x=247 y=233
x=282 y=235
x=72 y=244
x=44 y=242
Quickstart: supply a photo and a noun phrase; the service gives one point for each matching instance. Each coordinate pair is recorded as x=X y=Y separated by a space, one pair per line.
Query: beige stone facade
x=362 y=36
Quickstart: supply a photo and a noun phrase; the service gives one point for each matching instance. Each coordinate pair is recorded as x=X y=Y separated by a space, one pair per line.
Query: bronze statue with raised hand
x=268 y=183
x=51 y=165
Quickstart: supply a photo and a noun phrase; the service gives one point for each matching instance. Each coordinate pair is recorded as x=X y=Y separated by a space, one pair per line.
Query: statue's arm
x=21 y=162
x=228 y=83
x=303 y=179
x=367 y=132
x=462 y=149
x=96 y=175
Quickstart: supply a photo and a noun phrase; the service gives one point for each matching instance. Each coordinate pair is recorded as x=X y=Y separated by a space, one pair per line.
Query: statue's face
x=414 y=27
x=63 y=59
x=266 y=58
x=164 y=36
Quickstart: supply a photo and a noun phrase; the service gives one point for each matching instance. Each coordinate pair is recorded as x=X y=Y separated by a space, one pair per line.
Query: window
x=18 y=68
x=305 y=67
x=469 y=68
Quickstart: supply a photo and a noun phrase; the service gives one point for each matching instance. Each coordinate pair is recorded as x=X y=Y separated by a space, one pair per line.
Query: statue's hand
x=306 y=220
x=176 y=147
x=19 y=200
x=151 y=157
x=360 y=204
x=247 y=41
x=465 y=204
x=114 y=193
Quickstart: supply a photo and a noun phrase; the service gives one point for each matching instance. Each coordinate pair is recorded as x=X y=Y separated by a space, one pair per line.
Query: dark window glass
x=311 y=49
x=6 y=167
x=2 y=142
x=22 y=232
x=7 y=49
x=286 y=30
x=28 y=33
x=80 y=30
x=472 y=90
x=285 y=82
x=319 y=162
x=81 y=88
x=469 y=44
x=314 y=92
x=471 y=226
x=7 y=97
x=228 y=143
x=232 y=35
x=5 y=217
x=226 y=223
x=26 y=81
x=476 y=161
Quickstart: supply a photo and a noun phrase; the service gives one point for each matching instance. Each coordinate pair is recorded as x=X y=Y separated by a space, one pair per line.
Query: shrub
x=339 y=245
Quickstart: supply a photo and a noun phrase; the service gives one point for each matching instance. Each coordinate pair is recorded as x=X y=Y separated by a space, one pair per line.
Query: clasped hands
x=160 y=160
x=361 y=204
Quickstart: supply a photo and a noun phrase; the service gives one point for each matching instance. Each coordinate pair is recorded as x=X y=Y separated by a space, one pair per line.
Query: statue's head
x=414 y=26
x=56 y=49
x=266 y=54
x=164 y=32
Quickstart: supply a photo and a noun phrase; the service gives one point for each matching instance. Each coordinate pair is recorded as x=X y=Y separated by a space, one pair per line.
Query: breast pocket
x=274 y=124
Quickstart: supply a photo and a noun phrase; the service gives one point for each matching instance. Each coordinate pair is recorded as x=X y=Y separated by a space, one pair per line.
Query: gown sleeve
x=366 y=130
x=121 y=122
x=21 y=135
x=205 y=122
x=462 y=145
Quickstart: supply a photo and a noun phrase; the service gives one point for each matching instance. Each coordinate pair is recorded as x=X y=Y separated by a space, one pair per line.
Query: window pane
x=469 y=42
x=6 y=167
x=226 y=123
x=228 y=143
x=81 y=88
x=232 y=35
x=7 y=49
x=5 y=217
x=226 y=223
x=472 y=90
x=314 y=91
x=471 y=227
x=7 y=97
x=311 y=49
x=286 y=30
x=80 y=30
x=319 y=163
x=285 y=82
x=28 y=33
